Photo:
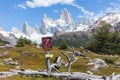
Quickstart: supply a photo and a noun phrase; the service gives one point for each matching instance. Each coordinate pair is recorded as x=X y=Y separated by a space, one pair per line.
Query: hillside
x=33 y=58
x=75 y=39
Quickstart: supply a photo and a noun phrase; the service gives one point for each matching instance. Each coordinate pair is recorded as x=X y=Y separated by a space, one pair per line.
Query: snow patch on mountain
x=27 y=29
x=36 y=29
x=111 y=18
x=8 y=37
x=47 y=25
x=81 y=27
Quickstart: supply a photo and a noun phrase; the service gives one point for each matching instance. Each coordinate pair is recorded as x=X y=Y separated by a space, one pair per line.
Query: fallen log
x=67 y=75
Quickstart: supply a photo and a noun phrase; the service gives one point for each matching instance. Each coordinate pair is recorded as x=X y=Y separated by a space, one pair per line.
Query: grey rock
x=97 y=63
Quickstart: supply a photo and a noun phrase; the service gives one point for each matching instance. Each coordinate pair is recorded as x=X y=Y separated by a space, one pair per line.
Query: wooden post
x=48 y=62
x=47 y=45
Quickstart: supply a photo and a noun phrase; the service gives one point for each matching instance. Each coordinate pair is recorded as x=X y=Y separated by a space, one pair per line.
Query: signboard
x=47 y=43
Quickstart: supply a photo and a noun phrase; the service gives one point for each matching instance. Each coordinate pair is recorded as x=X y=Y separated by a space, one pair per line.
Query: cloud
x=79 y=16
x=84 y=11
x=44 y=3
x=56 y=11
x=21 y=6
x=48 y=3
x=112 y=8
x=115 y=8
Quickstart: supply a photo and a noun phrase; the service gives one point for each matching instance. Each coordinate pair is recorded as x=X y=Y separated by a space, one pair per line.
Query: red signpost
x=47 y=43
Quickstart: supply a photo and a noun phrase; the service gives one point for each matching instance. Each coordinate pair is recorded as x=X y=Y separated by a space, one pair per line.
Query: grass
x=110 y=60
x=21 y=77
x=2 y=43
x=36 y=60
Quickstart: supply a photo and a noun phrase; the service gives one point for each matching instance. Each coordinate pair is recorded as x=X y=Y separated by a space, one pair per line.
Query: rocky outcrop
x=97 y=63
x=8 y=40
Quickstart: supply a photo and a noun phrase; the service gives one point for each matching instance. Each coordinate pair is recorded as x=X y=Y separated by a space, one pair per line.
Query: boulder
x=117 y=64
x=4 y=54
x=97 y=63
x=9 y=46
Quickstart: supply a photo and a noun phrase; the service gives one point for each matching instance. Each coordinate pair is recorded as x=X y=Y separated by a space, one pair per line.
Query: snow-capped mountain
x=84 y=34
x=27 y=29
x=80 y=27
x=66 y=16
x=8 y=37
x=47 y=25
x=110 y=18
x=36 y=29
x=64 y=23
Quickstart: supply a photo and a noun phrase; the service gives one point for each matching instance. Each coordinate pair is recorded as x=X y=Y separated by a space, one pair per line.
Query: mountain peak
x=66 y=16
x=45 y=16
x=27 y=29
x=65 y=10
x=15 y=30
x=25 y=23
x=36 y=29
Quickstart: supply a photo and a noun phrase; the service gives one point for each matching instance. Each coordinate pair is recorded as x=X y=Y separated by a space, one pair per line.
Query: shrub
x=23 y=41
x=109 y=60
x=20 y=42
x=63 y=45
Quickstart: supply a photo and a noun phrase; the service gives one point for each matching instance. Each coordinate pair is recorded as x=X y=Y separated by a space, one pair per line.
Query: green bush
x=23 y=41
x=109 y=60
x=63 y=45
x=3 y=42
x=104 y=41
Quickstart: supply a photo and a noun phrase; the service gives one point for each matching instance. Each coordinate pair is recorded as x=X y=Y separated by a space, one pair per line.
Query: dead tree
x=70 y=60
x=76 y=53
x=56 y=64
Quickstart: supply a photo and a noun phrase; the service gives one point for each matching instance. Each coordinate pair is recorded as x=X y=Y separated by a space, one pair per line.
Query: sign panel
x=47 y=43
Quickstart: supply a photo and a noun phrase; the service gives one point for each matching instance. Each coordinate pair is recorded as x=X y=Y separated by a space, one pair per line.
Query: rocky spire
x=66 y=16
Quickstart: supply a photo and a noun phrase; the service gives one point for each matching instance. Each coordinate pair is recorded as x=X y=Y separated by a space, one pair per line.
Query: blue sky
x=13 y=13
